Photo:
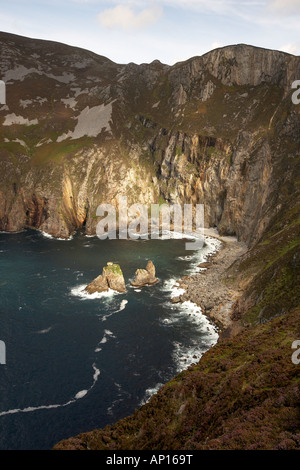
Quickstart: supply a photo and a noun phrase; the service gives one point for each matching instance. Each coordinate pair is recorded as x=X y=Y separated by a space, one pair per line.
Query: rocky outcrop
x=99 y=284
x=111 y=278
x=145 y=277
x=114 y=276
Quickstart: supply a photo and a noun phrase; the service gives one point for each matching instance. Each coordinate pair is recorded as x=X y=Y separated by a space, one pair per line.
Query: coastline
x=206 y=288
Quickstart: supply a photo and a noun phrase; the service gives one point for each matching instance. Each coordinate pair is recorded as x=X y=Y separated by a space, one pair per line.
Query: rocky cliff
x=145 y=277
x=78 y=130
x=111 y=278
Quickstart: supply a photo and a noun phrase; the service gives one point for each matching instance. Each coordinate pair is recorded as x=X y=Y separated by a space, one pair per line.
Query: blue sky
x=169 y=30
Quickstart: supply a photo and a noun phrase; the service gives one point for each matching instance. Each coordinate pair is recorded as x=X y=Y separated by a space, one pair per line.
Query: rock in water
x=114 y=277
x=99 y=284
x=145 y=277
x=151 y=269
x=111 y=278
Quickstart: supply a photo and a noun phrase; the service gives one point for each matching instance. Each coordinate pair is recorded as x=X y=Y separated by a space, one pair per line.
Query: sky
x=141 y=31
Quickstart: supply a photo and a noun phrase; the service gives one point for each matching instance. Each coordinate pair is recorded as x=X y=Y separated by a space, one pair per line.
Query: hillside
x=243 y=394
x=79 y=130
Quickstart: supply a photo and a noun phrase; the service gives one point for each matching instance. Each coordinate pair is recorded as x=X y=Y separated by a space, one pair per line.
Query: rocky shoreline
x=207 y=288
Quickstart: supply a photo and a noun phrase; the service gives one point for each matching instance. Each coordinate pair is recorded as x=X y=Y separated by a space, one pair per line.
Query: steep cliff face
x=79 y=130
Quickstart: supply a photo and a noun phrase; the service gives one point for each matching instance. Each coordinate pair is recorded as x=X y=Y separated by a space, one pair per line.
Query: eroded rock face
x=99 y=284
x=145 y=277
x=114 y=276
x=240 y=165
x=111 y=278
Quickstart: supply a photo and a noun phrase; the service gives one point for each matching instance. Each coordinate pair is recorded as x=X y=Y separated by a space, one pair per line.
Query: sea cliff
x=219 y=130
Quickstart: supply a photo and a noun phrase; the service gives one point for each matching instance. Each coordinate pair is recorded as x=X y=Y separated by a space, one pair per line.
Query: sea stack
x=145 y=277
x=111 y=278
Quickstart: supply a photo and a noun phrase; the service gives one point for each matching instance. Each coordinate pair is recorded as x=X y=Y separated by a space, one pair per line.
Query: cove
x=76 y=362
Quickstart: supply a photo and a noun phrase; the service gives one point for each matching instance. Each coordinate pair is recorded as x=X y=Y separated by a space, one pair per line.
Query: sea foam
x=77 y=396
x=79 y=291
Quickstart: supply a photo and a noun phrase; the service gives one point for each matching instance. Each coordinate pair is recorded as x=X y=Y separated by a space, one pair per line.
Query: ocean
x=76 y=362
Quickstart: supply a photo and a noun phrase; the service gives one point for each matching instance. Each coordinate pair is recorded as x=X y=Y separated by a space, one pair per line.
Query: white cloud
x=284 y=7
x=124 y=17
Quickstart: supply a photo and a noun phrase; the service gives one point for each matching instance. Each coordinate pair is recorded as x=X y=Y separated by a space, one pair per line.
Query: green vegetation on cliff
x=243 y=394
x=270 y=271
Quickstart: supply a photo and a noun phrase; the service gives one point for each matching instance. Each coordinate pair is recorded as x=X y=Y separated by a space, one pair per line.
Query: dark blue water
x=75 y=363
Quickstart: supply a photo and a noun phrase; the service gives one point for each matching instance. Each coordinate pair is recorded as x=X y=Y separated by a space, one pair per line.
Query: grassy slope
x=270 y=271
x=243 y=394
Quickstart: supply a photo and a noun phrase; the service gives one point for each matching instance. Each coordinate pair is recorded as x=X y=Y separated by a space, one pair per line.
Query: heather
x=243 y=394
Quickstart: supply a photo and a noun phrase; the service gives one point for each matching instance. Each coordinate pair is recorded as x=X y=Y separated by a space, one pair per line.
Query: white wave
x=96 y=374
x=149 y=392
x=81 y=394
x=184 y=356
x=78 y=396
x=172 y=286
x=212 y=246
x=47 y=235
x=107 y=333
x=190 y=311
x=122 y=307
x=46 y=330
x=79 y=291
